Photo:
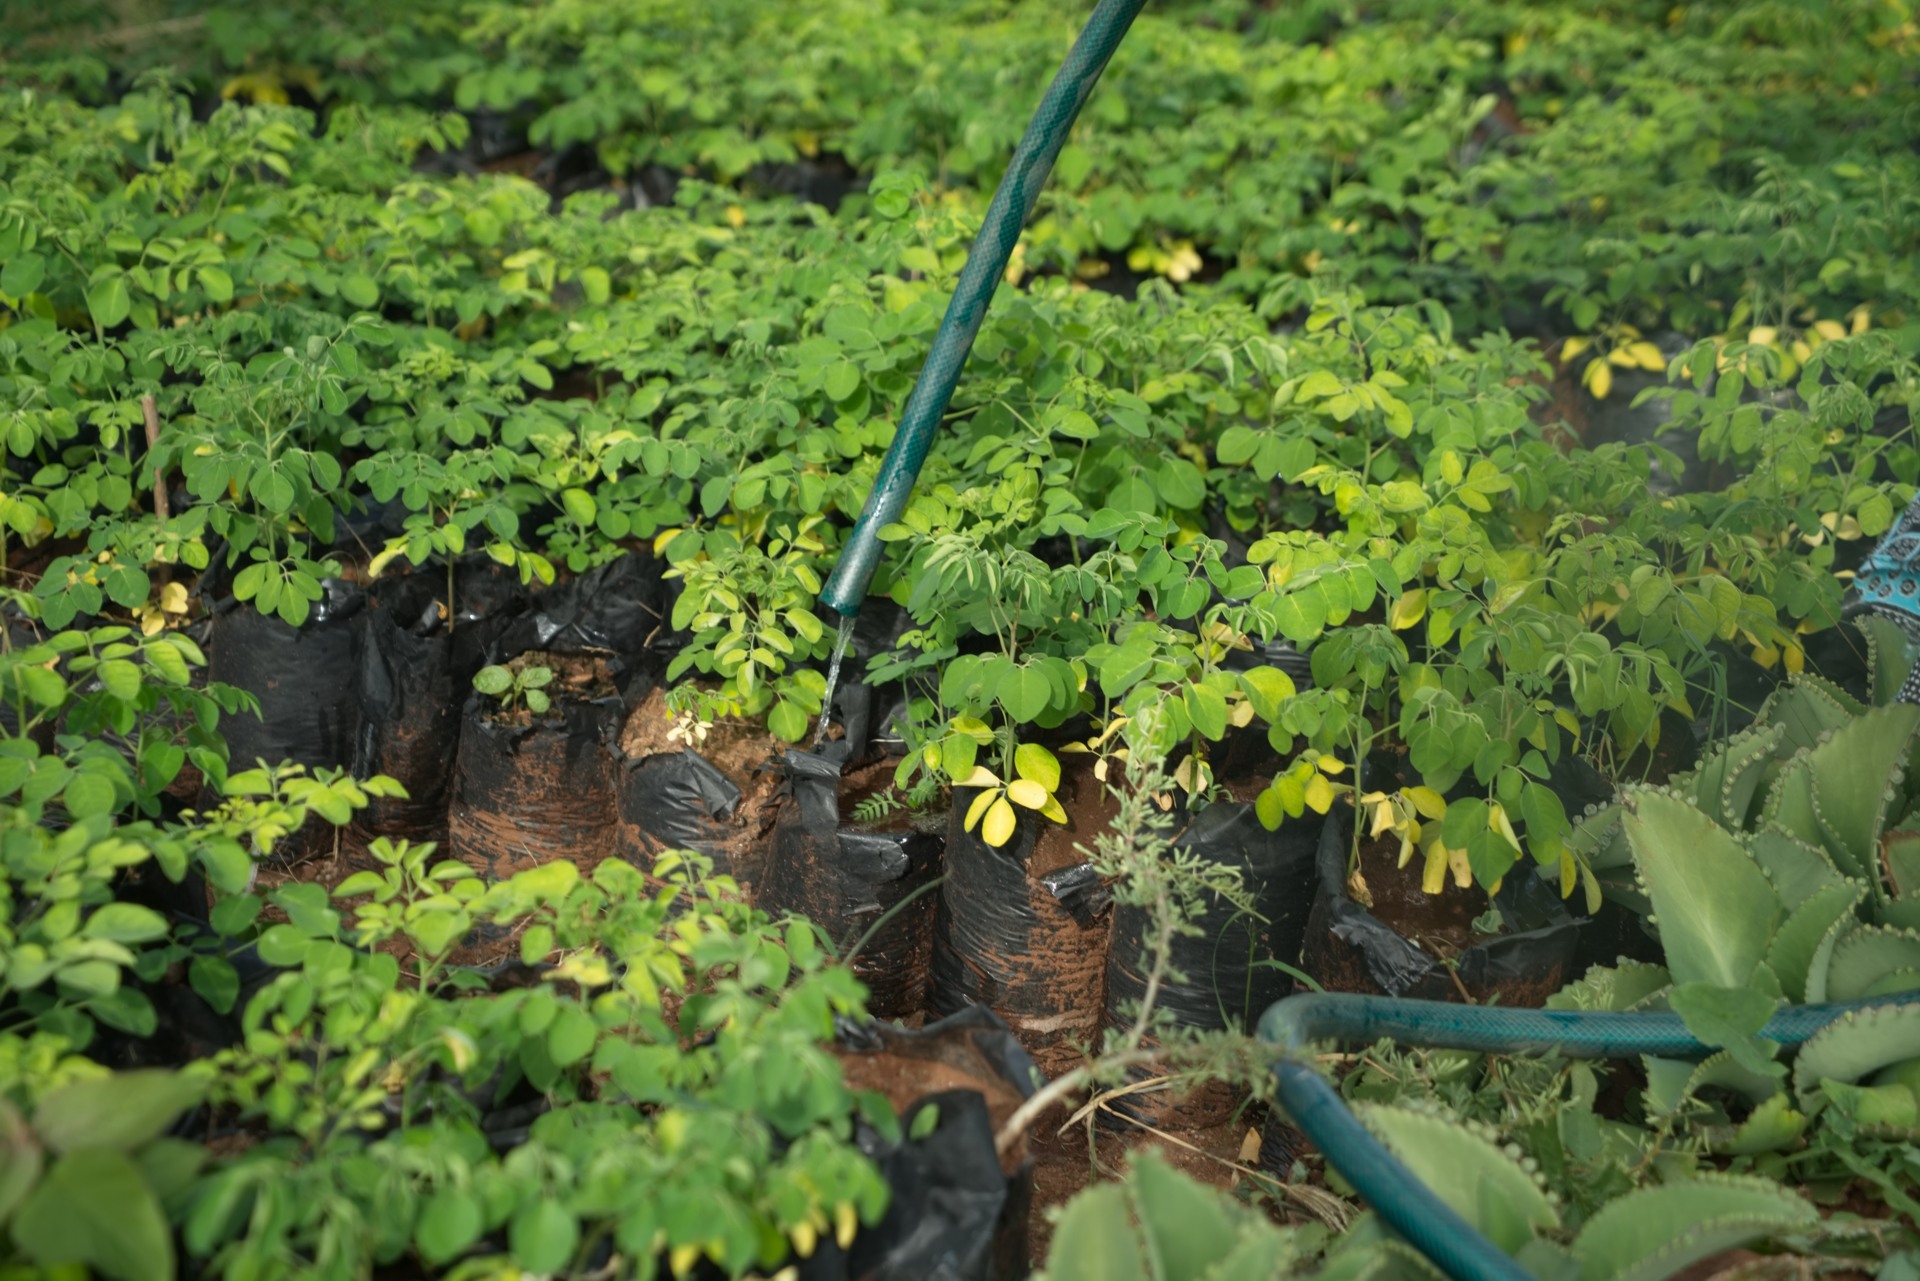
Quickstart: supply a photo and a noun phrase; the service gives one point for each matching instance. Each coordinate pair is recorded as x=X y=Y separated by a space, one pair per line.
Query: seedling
x=526 y=687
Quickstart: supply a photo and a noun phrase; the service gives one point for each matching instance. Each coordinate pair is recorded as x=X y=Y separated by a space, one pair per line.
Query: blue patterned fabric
x=1888 y=583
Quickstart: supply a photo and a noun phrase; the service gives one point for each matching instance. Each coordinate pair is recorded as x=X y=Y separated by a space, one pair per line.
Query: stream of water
x=840 y=644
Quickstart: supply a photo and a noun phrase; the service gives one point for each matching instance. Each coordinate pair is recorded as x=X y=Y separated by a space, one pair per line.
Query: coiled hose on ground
x=1290 y=1026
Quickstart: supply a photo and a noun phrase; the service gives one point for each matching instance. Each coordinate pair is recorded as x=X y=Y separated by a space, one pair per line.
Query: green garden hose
x=1408 y=1206
x=986 y=265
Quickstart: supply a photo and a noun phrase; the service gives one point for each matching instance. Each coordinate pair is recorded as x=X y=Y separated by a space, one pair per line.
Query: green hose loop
x=986 y=265
x=1409 y=1207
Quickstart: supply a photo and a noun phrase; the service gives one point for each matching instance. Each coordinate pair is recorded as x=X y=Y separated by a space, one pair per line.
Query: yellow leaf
x=1331 y=764
x=1319 y=794
x=980 y=776
x=1428 y=802
x=1568 y=873
x=173 y=598
x=1409 y=609
x=1435 y=878
x=1794 y=659
x=1408 y=836
x=805 y=1238
x=1861 y=318
x=1573 y=347
x=665 y=536
x=1829 y=330
x=1357 y=889
x=1000 y=823
x=1381 y=811
x=845 y=1224
x=1648 y=357
x=1766 y=656
x=1763 y=336
x=1026 y=793
x=1053 y=810
x=1498 y=821
x=1599 y=379
x=1593 y=890
x=979 y=807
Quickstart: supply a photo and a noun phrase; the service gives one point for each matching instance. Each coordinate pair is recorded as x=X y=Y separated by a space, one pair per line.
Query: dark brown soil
x=581 y=677
x=905 y=1081
x=1065 y=1166
x=1090 y=809
x=871 y=780
x=1442 y=924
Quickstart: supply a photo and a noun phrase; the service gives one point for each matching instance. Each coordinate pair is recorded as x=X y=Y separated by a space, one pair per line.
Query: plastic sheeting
x=1350 y=949
x=612 y=608
x=524 y=795
x=955 y=1213
x=843 y=877
x=1004 y=940
x=409 y=711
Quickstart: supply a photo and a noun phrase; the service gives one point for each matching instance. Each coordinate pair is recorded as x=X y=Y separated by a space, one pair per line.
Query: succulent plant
x=1787 y=865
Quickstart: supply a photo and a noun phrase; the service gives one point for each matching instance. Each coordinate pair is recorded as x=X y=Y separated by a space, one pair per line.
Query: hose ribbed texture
x=986 y=266
x=1420 y=1218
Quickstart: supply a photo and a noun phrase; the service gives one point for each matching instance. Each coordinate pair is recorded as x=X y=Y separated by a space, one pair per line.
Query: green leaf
x=1713 y=906
x=1095 y=1240
x=842 y=380
x=536 y=944
x=217 y=982
x=1036 y=764
x=1857 y=1044
x=596 y=284
x=1024 y=692
x=1267 y=688
x=1483 y=1184
x=1207 y=707
x=1659 y=1230
x=495 y=680
x=543 y=1236
x=1810 y=931
x=1181 y=484
x=217 y=283
x=787 y=721
x=117 y=1112
x=450 y=1222
x=579 y=506
x=108 y=301
x=22 y=275
x=96 y=1208
x=572 y=1036
x=1187 y=1226
x=125 y=923
x=1728 y=1018
x=89 y=794
x=126 y=1009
